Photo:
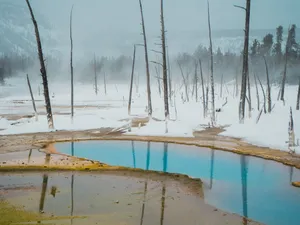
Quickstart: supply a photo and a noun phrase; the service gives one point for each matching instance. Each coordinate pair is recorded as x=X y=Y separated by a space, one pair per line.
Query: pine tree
x=277 y=50
x=255 y=48
x=267 y=44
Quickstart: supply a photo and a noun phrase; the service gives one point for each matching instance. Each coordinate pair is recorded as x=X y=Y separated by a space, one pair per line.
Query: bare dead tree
x=104 y=80
x=249 y=95
x=158 y=80
x=268 y=87
x=196 y=81
x=206 y=101
x=203 y=89
x=185 y=82
x=71 y=65
x=137 y=83
x=298 y=97
x=245 y=72
x=291 y=132
x=257 y=93
x=146 y=61
x=264 y=94
x=284 y=72
x=213 y=113
x=32 y=98
x=43 y=68
x=169 y=76
x=95 y=76
x=236 y=85
x=164 y=57
x=131 y=80
x=221 y=88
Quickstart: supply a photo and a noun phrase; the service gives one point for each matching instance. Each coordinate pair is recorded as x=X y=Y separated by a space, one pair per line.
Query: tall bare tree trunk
x=158 y=80
x=43 y=69
x=185 y=82
x=268 y=87
x=104 y=79
x=298 y=97
x=95 y=76
x=284 y=75
x=264 y=94
x=146 y=61
x=245 y=64
x=236 y=85
x=170 y=79
x=131 y=81
x=213 y=113
x=257 y=93
x=221 y=88
x=196 y=81
x=249 y=95
x=203 y=89
x=71 y=65
x=32 y=98
x=164 y=57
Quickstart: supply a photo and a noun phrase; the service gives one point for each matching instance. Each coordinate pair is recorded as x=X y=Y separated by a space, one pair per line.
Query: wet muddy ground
x=111 y=197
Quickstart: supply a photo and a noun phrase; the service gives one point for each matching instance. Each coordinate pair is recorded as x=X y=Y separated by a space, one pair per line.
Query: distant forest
x=227 y=64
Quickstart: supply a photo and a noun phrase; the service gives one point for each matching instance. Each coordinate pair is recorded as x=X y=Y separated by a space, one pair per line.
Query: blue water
x=255 y=188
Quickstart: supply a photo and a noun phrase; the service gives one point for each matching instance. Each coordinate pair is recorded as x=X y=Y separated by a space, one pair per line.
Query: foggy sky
x=180 y=14
x=116 y=23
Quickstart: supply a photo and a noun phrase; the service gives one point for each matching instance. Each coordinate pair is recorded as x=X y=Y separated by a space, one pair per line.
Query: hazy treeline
x=226 y=64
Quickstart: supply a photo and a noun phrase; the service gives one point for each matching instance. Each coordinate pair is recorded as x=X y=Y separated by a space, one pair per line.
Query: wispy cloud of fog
x=103 y=25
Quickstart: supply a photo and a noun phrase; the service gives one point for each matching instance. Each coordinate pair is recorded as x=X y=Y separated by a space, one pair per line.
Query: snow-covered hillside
x=17 y=32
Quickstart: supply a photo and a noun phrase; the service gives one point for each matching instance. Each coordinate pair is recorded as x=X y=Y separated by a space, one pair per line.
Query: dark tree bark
x=298 y=97
x=268 y=87
x=43 y=68
x=164 y=57
x=131 y=81
x=245 y=72
x=284 y=75
x=146 y=61
x=71 y=65
x=203 y=89
x=249 y=95
x=213 y=115
x=163 y=195
x=32 y=98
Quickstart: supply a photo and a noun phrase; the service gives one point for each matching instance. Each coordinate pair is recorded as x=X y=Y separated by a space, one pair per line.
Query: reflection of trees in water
x=212 y=161
x=133 y=154
x=146 y=183
x=29 y=155
x=163 y=194
x=72 y=186
x=44 y=186
x=291 y=174
x=244 y=172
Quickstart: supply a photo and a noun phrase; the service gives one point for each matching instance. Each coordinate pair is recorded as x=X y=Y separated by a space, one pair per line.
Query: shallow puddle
x=111 y=198
x=251 y=187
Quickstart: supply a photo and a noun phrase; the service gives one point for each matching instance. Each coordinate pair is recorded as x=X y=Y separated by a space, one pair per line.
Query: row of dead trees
x=166 y=78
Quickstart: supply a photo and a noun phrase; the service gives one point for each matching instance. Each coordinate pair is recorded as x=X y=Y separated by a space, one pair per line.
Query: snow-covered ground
x=110 y=111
